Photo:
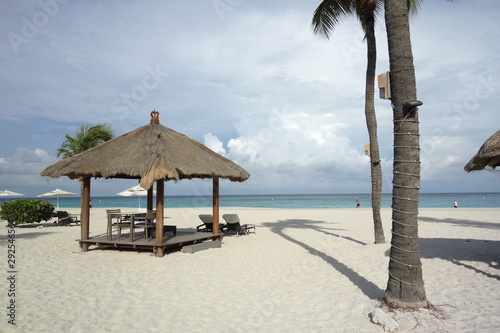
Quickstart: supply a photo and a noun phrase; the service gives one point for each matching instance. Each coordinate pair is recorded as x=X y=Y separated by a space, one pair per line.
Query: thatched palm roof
x=149 y=153
x=488 y=155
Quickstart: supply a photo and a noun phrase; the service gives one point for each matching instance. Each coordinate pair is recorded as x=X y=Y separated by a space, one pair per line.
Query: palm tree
x=86 y=137
x=326 y=16
x=405 y=287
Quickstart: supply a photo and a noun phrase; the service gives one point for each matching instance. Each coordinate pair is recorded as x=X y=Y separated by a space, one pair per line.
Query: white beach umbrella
x=135 y=190
x=56 y=194
x=7 y=193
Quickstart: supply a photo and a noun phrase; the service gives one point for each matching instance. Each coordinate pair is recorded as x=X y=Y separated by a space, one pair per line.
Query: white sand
x=303 y=271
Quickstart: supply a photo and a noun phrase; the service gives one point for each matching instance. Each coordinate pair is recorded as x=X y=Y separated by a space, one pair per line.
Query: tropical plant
x=325 y=18
x=86 y=137
x=23 y=211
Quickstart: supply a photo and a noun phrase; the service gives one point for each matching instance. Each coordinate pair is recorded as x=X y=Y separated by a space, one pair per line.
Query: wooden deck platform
x=141 y=243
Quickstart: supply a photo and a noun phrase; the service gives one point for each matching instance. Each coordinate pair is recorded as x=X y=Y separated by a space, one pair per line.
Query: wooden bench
x=167 y=228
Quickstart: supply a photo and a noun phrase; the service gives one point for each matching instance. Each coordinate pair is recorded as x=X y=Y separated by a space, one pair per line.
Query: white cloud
x=297 y=150
x=24 y=161
x=21 y=171
x=213 y=142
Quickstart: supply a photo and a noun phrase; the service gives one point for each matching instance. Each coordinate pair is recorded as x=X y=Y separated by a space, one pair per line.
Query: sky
x=250 y=80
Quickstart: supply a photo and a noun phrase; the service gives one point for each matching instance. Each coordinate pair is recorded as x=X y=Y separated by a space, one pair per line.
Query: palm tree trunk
x=405 y=287
x=371 y=123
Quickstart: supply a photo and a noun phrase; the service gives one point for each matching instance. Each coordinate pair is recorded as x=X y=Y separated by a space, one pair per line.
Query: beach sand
x=303 y=271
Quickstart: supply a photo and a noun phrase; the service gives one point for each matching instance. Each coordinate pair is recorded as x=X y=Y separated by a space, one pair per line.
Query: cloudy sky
x=250 y=80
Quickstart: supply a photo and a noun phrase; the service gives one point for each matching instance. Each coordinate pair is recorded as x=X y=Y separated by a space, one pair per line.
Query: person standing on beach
x=455 y=204
x=357 y=204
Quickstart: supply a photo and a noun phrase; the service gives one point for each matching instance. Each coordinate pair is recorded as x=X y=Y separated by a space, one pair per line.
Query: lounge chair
x=208 y=224
x=65 y=218
x=233 y=224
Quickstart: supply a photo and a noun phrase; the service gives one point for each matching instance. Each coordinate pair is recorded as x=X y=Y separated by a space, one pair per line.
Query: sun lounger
x=207 y=223
x=234 y=225
x=64 y=218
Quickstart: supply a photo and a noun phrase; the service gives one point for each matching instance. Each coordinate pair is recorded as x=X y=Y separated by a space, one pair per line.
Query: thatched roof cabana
x=151 y=153
x=488 y=155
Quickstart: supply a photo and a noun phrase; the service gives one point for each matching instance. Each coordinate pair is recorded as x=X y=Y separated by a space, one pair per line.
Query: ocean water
x=290 y=201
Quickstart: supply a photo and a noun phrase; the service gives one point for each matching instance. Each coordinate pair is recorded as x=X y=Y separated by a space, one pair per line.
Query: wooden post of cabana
x=149 y=199
x=85 y=213
x=215 y=205
x=160 y=193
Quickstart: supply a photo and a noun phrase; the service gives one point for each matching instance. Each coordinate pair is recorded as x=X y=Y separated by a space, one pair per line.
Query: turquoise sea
x=291 y=201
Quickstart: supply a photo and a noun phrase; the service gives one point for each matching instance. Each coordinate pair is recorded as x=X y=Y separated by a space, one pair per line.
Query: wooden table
x=135 y=217
x=120 y=216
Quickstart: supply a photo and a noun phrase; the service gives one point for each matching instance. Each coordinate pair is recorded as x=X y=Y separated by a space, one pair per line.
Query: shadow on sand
x=367 y=287
x=36 y=227
x=456 y=250
x=461 y=223
x=26 y=235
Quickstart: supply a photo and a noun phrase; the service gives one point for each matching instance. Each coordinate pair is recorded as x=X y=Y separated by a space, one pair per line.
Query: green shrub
x=26 y=211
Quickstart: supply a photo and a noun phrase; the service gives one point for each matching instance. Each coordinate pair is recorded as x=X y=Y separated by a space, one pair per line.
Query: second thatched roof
x=488 y=155
x=149 y=153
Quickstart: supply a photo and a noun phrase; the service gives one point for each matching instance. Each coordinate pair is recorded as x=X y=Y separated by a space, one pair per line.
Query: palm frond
x=329 y=13
x=414 y=6
x=86 y=137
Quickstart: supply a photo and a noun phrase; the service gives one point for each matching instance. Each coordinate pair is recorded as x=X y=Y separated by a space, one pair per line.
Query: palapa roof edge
x=487 y=155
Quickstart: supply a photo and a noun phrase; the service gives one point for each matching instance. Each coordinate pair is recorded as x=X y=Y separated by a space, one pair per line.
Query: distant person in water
x=358 y=204
x=455 y=204
x=90 y=204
